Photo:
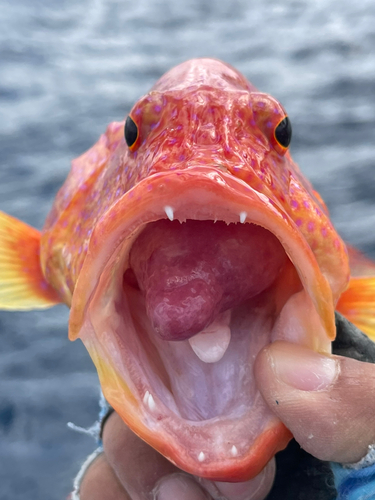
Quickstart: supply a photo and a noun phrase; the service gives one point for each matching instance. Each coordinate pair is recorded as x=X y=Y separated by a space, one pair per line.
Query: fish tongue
x=191 y=272
x=180 y=286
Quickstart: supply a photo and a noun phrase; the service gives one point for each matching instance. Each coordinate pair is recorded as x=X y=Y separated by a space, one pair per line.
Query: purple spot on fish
x=324 y=232
x=43 y=285
x=318 y=212
x=306 y=204
x=181 y=157
x=157 y=108
x=149 y=187
x=299 y=222
x=337 y=244
x=310 y=226
x=295 y=204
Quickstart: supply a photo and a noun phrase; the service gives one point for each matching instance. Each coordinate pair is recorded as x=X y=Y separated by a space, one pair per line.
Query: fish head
x=184 y=244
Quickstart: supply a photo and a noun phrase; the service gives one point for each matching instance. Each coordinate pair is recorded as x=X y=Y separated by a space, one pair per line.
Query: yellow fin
x=357 y=304
x=22 y=284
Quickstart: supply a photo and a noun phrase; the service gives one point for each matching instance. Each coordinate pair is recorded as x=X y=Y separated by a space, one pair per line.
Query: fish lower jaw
x=207 y=418
x=196 y=403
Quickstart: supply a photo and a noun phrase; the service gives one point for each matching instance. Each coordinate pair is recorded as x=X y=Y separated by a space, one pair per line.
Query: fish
x=184 y=241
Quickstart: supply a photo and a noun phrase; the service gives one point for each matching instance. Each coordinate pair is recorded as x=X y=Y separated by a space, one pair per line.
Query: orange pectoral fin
x=357 y=304
x=22 y=284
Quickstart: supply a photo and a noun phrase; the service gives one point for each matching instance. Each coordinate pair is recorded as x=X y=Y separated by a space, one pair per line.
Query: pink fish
x=184 y=243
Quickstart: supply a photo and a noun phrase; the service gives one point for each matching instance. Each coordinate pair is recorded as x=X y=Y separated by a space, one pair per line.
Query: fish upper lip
x=226 y=199
x=146 y=203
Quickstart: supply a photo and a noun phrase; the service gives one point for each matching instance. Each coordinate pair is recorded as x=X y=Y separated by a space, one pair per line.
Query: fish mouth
x=173 y=333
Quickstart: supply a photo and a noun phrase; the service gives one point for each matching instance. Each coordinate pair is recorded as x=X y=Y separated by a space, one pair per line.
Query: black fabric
x=300 y=476
x=351 y=342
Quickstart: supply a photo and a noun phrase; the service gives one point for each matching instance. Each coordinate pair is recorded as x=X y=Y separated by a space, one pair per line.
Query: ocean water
x=67 y=69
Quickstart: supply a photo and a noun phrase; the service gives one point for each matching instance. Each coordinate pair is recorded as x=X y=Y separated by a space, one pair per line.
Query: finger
x=327 y=402
x=142 y=470
x=255 y=489
x=101 y=482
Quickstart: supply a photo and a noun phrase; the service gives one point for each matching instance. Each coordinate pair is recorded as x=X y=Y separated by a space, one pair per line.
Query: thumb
x=327 y=402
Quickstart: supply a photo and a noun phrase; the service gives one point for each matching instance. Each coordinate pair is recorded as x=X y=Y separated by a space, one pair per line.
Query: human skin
x=324 y=401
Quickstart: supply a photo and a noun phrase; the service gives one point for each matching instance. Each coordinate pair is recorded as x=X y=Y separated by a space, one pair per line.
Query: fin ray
x=22 y=283
x=357 y=304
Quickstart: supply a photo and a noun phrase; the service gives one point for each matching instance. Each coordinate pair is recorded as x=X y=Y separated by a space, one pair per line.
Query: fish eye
x=283 y=132
x=130 y=132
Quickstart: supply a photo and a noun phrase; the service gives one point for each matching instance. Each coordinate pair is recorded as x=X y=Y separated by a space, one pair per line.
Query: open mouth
x=178 y=314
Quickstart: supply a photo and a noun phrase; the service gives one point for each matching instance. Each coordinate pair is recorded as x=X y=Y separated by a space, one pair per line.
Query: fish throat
x=208 y=294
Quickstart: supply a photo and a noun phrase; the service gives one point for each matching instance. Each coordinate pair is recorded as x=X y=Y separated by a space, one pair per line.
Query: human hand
x=323 y=400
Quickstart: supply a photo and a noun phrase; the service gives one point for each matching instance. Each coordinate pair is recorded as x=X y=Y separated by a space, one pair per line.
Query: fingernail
x=302 y=368
x=178 y=486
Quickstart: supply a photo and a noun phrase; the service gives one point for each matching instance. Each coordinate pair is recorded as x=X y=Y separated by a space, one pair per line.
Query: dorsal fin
x=22 y=283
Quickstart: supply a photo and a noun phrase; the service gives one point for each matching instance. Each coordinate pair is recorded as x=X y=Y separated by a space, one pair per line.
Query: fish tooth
x=211 y=344
x=151 y=402
x=169 y=211
x=243 y=216
x=201 y=456
x=145 y=397
x=234 y=451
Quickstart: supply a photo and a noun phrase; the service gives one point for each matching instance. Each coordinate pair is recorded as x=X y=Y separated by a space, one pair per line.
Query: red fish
x=184 y=241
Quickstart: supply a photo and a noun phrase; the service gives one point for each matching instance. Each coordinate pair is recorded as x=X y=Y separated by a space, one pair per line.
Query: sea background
x=67 y=69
